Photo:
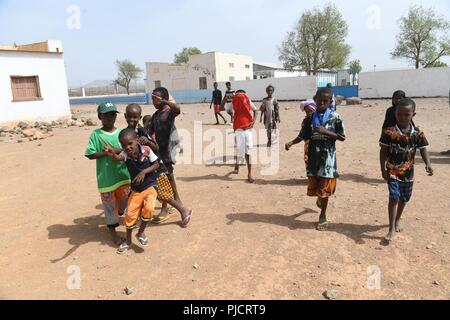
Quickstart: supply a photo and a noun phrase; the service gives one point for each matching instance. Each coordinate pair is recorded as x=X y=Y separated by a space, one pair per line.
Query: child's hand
x=429 y=170
x=144 y=141
x=108 y=150
x=139 y=178
x=385 y=175
x=321 y=130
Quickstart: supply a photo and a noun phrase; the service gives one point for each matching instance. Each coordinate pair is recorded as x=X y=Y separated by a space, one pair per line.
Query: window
x=157 y=84
x=231 y=65
x=25 y=88
x=231 y=79
x=203 y=83
x=247 y=66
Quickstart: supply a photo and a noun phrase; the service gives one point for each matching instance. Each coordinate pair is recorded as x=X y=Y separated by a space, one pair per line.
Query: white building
x=264 y=70
x=33 y=85
x=200 y=72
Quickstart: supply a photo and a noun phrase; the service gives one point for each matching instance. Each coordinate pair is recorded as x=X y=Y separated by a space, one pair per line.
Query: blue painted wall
x=346 y=91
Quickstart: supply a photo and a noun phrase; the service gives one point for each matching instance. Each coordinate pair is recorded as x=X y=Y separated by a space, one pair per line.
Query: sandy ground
x=248 y=241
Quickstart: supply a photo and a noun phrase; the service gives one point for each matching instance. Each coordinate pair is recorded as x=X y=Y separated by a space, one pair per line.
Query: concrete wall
x=297 y=88
x=53 y=86
x=432 y=82
x=240 y=72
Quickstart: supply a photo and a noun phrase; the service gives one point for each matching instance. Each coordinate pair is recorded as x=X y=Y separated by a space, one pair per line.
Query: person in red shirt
x=243 y=124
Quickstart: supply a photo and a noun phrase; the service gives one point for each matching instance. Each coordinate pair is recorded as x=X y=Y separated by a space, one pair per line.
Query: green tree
x=183 y=55
x=127 y=71
x=317 y=42
x=355 y=68
x=438 y=64
x=423 y=38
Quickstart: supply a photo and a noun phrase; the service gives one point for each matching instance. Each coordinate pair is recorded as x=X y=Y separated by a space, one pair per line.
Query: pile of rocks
x=354 y=101
x=40 y=130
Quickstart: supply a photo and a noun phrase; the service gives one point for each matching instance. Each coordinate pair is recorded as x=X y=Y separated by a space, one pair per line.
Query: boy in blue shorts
x=399 y=144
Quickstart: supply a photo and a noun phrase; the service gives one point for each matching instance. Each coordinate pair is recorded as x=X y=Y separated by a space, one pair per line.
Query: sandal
x=123 y=248
x=187 y=220
x=142 y=240
x=323 y=226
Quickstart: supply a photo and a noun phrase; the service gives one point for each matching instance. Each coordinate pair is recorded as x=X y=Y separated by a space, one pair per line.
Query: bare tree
x=127 y=71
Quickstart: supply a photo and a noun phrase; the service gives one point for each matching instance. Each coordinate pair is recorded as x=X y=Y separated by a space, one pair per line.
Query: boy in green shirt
x=113 y=179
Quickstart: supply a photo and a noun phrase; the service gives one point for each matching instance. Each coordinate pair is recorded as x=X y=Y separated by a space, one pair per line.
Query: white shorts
x=244 y=142
x=229 y=108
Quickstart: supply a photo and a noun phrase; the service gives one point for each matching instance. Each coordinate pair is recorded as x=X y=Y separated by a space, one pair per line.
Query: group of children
x=400 y=139
x=135 y=166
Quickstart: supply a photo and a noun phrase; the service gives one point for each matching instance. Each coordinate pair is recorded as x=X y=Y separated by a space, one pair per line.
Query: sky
x=142 y=31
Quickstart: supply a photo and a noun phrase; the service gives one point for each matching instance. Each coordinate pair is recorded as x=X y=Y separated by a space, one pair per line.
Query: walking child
x=399 y=144
x=271 y=112
x=322 y=129
x=217 y=101
x=243 y=124
x=113 y=179
x=228 y=99
x=142 y=164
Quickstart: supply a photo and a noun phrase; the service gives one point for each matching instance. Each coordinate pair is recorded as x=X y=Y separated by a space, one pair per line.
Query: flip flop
x=159 y=220
x=123 y=248
x=142 y=240
x=187 y=220
x=323 y=226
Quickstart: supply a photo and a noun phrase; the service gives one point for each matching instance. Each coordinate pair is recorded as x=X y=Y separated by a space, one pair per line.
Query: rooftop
x=49 y=46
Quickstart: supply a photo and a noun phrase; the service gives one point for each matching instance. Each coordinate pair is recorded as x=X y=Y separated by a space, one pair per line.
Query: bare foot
x=236 y=170
x=390 y=236
x=399 y=226
x=250 y=180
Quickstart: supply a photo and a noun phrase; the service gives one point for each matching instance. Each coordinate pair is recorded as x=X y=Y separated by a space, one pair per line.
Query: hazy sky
x=155 y=30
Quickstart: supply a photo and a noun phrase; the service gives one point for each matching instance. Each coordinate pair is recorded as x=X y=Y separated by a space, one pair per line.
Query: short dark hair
x=325 y=91
x=228 y=83
x=163 y=92
x=215 y=83
x=329 y=85
x=270 y=86
x=241 y=91
x=127 y=133
x=133 y=106
x=406 y=102
x=399 y=93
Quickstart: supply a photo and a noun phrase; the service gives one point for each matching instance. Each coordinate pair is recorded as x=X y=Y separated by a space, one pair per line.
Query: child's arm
x=141 y=176
x=383 y=158
x=293 y=142
x=426 y=159
x=212 y=100
x=115 y=154
x=97 y=155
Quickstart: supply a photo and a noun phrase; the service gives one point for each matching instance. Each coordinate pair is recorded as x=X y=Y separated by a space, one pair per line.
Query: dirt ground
x=247 y=241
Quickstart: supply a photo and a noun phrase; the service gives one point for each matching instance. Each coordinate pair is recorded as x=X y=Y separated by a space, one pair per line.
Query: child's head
x=133 y=115
x=308 y=106
x=107 y=114
x=216 y=85
x=323 y=99
x=330 y=86
x=129 y=141
x=270 y=90
x=159 y=94
x=146 y=120
x=405 y=112
x=397 y=97
x=228 y=84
